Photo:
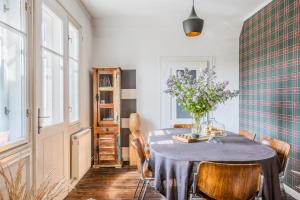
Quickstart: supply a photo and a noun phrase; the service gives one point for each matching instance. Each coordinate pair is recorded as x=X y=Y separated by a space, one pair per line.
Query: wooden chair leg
x=145 y=190
x=137 y=188
x=141 y=189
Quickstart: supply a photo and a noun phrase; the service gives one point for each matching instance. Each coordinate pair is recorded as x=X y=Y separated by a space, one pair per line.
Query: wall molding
x=291 y=192
x=169 y=64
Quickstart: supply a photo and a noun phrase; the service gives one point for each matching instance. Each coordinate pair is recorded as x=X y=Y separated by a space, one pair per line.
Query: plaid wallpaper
x=270 y=79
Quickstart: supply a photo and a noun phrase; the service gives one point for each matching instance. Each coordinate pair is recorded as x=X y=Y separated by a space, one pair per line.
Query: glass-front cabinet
x=106 y=97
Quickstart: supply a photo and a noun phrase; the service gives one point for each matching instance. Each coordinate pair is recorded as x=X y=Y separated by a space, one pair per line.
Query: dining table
x=174 y=162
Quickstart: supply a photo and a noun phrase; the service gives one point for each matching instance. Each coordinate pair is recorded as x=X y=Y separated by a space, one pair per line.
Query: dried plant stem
x=17 y=190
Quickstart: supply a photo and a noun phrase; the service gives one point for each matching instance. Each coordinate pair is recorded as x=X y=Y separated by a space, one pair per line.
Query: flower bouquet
x=198 y=96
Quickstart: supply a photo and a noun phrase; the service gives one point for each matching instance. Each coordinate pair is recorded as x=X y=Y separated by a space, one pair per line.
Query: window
x=52 y=68
x=73 y=73
x=13 y=37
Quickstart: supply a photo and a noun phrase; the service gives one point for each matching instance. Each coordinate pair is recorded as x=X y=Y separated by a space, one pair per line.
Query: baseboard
x=292 y=192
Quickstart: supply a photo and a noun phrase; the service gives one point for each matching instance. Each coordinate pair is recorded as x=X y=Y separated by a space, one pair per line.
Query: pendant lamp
x=193 y=25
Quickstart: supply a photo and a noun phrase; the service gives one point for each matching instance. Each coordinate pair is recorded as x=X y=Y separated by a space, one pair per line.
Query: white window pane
x=73 y=42
x=12 y=86
x=52 y=31
x=12 y=13
x=52 y=87
x=74 y=90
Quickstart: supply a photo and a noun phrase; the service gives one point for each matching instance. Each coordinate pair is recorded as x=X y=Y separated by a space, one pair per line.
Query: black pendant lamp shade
x=193 y=25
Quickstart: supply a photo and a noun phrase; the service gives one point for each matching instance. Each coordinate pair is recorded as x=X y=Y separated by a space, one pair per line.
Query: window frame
x=68 y=18
x=75 y=125
x=27 y=34
x=61 y=55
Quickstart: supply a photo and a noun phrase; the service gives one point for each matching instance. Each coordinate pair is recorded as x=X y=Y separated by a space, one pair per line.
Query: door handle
x=39 y=118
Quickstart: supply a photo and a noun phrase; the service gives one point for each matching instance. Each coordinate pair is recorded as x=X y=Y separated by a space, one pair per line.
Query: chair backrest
x=139 y=135
x=282 y=148
x=182 y=126
x=247 y=134
x=139 y=152
x=229 y=181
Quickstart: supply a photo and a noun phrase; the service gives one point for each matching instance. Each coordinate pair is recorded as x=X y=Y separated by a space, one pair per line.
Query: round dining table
x=174 y=162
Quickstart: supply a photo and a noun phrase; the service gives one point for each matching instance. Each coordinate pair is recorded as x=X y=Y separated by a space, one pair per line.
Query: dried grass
x=17 y=190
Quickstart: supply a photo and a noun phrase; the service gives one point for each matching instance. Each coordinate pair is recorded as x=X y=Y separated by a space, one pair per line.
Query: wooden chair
x=247 y=134
x=182 y=126
x=145 y=147
x=223 y=181
x=282 y=149
x=144 y=170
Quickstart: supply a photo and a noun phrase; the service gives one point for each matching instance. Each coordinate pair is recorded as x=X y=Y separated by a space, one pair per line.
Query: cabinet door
x=117 y=106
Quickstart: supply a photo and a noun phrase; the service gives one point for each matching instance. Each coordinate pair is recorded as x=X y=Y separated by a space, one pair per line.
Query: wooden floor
x=111 y=184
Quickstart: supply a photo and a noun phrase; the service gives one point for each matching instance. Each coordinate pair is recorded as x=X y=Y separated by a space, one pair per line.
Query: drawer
x=107 y=151
x=107 y=129
x=107 y=143
x=110 y=136
x=107 y=157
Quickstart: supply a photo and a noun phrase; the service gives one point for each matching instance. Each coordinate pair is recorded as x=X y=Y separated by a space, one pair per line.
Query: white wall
x=138 y=43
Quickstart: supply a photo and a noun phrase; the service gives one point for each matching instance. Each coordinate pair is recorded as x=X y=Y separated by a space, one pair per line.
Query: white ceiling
x=240 y=9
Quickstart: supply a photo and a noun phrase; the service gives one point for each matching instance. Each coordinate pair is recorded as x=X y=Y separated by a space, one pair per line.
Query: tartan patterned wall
x=269 y=77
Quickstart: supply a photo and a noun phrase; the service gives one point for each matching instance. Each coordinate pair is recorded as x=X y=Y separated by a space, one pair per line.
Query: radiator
x=81 y=153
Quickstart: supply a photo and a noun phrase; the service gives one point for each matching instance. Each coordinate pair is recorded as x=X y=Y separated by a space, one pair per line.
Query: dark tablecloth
x=175 y=162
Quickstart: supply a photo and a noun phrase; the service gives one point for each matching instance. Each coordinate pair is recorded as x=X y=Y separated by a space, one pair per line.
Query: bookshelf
x=106 y=117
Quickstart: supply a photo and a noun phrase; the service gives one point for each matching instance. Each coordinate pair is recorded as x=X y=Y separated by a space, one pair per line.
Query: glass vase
x=213 y=129
x=196 y=125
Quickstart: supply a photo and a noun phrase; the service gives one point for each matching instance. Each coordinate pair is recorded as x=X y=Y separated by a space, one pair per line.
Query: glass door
x=51 y=93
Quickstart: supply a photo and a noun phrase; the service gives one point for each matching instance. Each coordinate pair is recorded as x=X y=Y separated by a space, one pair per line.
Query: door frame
x=69 y=128
x=59 y=11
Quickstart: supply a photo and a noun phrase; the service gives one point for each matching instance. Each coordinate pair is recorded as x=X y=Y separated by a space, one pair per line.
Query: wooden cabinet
x=106 y=117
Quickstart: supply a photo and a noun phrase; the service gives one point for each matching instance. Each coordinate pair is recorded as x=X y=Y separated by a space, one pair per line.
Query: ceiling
x=240 y=9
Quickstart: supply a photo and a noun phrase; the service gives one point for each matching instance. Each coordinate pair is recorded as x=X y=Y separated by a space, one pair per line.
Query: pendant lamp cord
x=193 y=3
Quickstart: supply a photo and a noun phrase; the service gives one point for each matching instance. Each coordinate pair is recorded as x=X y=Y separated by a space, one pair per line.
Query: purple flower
x=170 y=82
x=198 y=95
x=225 y=84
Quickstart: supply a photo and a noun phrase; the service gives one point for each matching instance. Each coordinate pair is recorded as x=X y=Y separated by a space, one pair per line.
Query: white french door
x=51 y=98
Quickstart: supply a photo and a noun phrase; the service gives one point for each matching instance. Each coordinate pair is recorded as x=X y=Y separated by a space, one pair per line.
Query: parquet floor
x=111 y=184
